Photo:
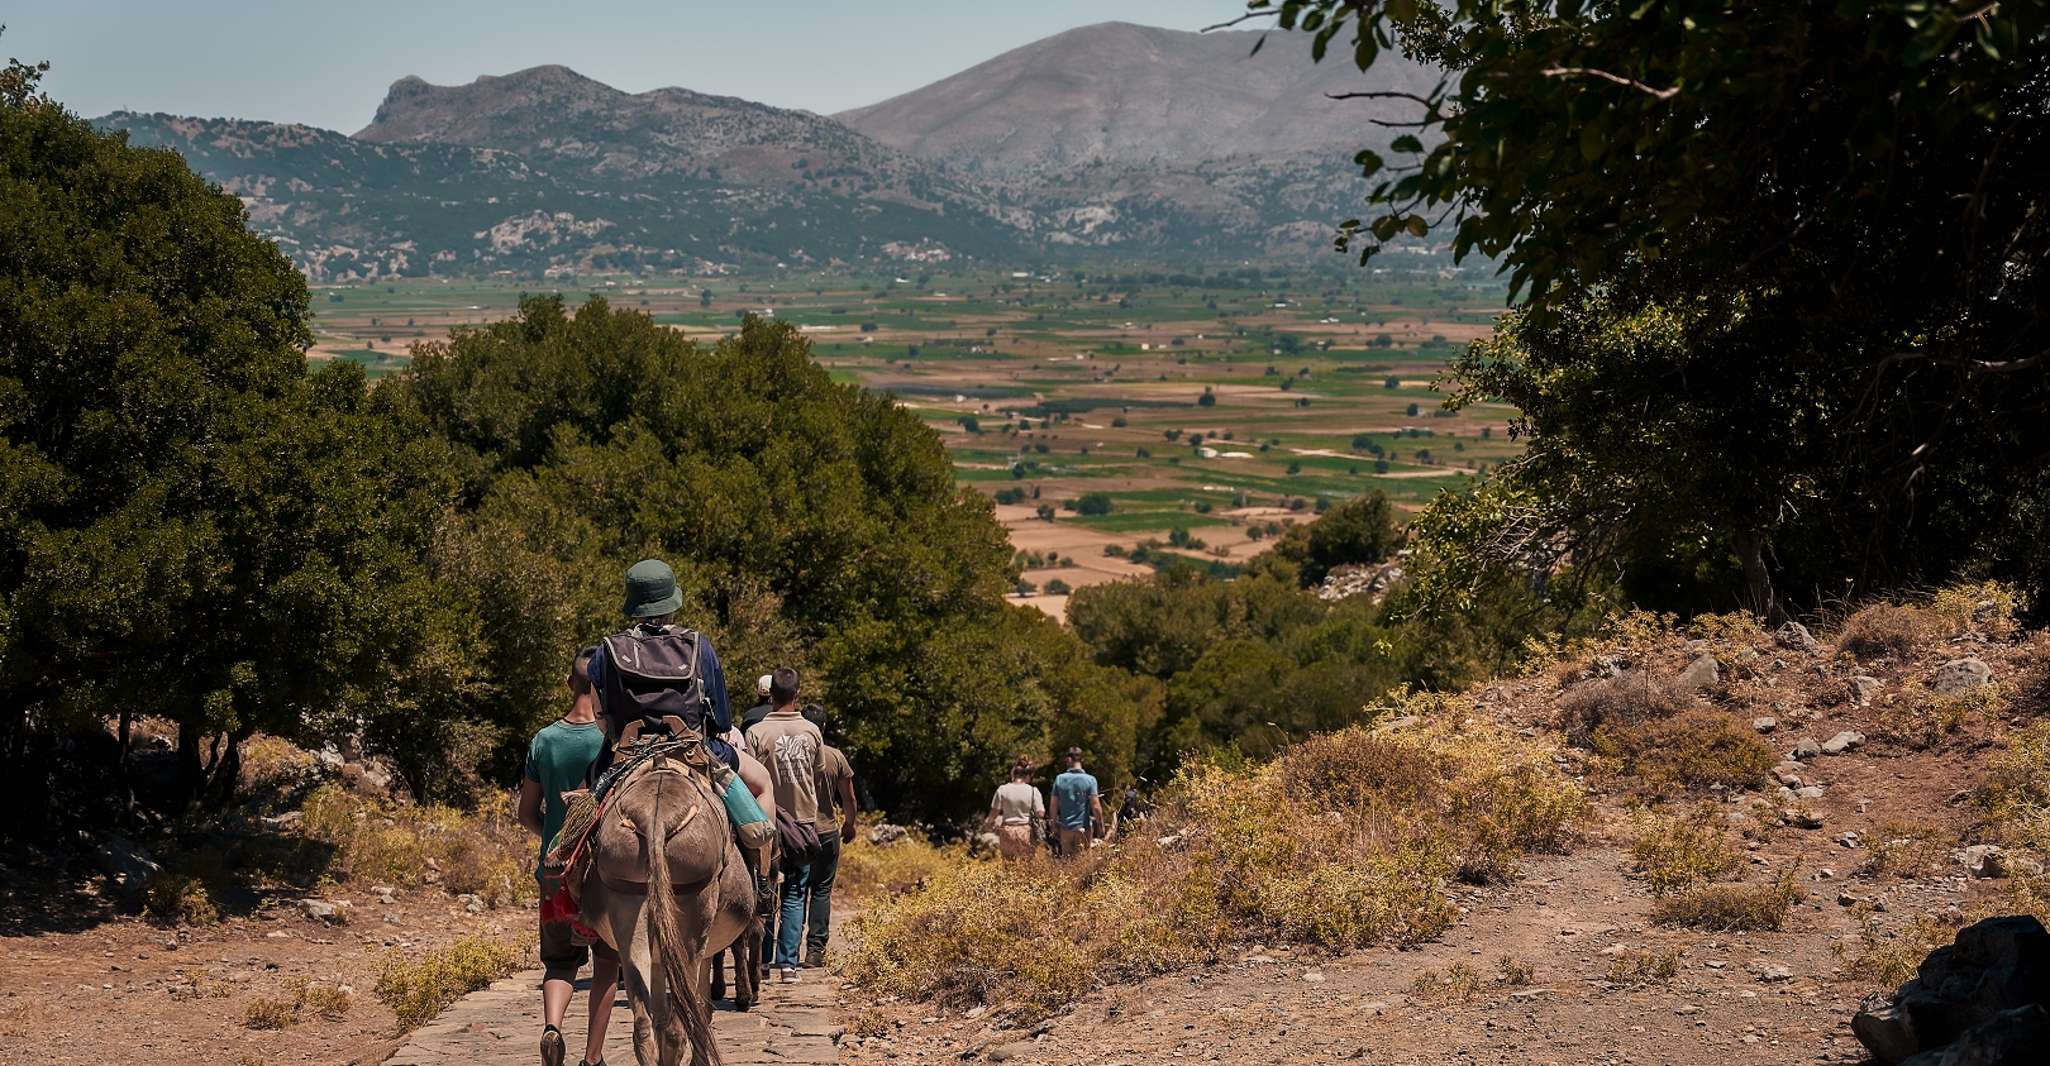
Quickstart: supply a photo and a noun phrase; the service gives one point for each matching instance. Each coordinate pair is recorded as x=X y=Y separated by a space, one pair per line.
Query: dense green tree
x=190 y=527
x=1360 y=530
x=1782 y=333
x=811 y=524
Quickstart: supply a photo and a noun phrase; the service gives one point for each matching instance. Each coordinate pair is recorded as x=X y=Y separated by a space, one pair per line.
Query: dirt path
x=501 y=1026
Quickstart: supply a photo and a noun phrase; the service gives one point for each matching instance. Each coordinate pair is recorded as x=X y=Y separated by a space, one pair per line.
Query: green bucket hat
x=651 y=590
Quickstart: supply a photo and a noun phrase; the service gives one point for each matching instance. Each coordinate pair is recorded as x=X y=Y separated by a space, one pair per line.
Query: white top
x=1018 y=803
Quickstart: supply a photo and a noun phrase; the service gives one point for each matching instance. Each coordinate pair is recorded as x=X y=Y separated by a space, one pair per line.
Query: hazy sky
x=329 y=63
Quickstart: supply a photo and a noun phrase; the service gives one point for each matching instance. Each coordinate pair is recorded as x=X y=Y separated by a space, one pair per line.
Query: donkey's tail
x=681 y=1010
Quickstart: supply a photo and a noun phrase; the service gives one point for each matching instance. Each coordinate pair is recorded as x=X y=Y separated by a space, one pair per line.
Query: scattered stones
x=1806 y=748
x=1765 y=725
x=883 y=834
x=331 y=911
x=1802 y=819
x=1808 y=792
x=125 y=864
x=1979 y=1000
x=1313 y=976
x=1788 y=774
x=385 y=894
x=1796 y=637
x=1700 y=674
x=1370 y=579
x=1007 y=1052
x=471 y=902
x=1850 y=839
x=1848 y=740
x=1959 y=676
x=1772 y=972
x=1864 y=689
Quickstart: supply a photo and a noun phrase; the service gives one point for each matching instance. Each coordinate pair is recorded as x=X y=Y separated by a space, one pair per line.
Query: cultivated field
x=1207 y=411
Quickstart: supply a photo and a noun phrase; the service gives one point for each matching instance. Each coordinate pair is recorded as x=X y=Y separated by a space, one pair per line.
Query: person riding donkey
x=657 y=683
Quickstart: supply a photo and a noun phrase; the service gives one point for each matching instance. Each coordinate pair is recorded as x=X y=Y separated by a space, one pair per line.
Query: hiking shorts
x=1071 y=842
x=563 y=948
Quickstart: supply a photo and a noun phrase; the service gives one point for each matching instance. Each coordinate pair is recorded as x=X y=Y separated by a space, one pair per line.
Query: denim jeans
x=790 y=916
x=820 y=886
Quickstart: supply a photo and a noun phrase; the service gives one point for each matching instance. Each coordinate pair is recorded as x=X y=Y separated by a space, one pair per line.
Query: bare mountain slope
x=1124 y=93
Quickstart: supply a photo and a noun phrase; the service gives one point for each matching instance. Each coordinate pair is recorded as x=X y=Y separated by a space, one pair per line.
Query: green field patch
x=1139 y=521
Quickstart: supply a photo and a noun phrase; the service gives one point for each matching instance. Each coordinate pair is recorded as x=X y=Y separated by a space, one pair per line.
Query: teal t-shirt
x=557 y=759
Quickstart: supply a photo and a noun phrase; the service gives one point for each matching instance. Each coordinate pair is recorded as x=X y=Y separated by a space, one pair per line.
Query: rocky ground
x=86 y=985
x=1873 y=815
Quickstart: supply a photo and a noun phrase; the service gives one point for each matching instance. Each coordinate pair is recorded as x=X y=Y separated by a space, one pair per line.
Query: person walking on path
x=1017 y=812
x=762 y=706
x=836 y=827
x=557 y=759
x=789 y=746
x=1077 y=807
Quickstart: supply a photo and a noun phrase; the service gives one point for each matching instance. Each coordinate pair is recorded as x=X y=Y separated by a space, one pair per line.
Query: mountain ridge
x=545 y=170
x=1124 y=92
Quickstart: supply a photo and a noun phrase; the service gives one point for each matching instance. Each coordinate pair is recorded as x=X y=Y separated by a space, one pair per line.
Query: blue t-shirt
x=1074 y=789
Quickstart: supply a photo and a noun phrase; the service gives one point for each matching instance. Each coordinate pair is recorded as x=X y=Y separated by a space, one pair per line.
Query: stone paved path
x=501 y=1026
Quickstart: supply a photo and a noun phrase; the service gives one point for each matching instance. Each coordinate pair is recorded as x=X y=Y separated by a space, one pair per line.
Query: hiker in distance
x=836 y=827
x=789 y=745
x=1077 y=807
x=558 y=758
x=1017 y=813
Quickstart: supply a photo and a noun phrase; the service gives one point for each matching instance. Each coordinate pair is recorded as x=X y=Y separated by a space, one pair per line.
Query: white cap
x=762 y=685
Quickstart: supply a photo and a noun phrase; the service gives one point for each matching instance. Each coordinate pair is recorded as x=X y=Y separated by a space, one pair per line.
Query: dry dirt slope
x=1567 y=965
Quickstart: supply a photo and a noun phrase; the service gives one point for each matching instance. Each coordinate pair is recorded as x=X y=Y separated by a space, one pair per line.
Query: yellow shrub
x=181 y=899
x=1691 y=751
x=486 y=852
x=1884 y=629
x=869 y=870
x=1676 y=852
x=2014 y=800
x=270 y=1014
x=328 y=1001
x=1344 y=841
x=1639 y=967
x=1987 y=606
x=1723 y=908
x=416 y=990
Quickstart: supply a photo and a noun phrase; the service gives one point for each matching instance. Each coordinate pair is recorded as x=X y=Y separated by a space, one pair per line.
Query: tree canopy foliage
x=1782 y=332
x=197 y=529
x=192 y=527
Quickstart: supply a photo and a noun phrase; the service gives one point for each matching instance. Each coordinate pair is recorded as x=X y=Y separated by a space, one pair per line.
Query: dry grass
x=1887 y=958
x=416 y=990
x=1643 y=968
x=270 y=1014
x=1986 y=607
x=1674 y=852
x=1936 y=722
x=181 y=899
x=1884 y=630
x=2014 y=799
x=1345 y=841
x=875 y=871
x=486 y=852
x=1619 y=704
x=868 y=1022
x=328 y=1002
x=1515 y=972
x=1692 y=751
x=1457 y=982
x=1730 y=908
x=1901 y=849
